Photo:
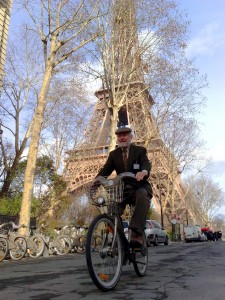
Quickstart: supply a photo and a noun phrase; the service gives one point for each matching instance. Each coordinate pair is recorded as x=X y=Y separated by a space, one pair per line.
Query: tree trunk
x=12 y=172
x=33 y=150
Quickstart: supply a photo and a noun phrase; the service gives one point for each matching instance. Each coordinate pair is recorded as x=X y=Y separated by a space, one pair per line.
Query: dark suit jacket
x=137 y=161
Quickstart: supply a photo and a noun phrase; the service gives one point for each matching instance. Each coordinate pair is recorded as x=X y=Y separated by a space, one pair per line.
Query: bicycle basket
x=6 y=228
x=104 y=195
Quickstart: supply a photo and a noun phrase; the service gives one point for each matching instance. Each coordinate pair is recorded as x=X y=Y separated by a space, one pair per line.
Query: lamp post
x=161 y=208
x=187 y=216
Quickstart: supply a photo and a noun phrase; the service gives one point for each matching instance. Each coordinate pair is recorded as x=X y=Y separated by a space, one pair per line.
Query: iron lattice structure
x=85 y=161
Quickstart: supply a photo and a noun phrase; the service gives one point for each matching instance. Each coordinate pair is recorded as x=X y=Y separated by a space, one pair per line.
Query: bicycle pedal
x=142 y=250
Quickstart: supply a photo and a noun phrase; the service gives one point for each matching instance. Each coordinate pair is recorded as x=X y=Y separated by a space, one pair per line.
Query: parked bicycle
x=35 y=243
x=60 y=243
x=4 y=246
x=77 y=237
x=17 y=245
x=107 y=248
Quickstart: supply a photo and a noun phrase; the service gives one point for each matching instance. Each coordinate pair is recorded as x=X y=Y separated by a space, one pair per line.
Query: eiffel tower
x=85 y=161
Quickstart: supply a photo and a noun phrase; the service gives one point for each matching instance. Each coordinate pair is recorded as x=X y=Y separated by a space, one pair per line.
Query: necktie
x=124 y=153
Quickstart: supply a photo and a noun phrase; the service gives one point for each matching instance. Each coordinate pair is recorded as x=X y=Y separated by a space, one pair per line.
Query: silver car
x=155 y=233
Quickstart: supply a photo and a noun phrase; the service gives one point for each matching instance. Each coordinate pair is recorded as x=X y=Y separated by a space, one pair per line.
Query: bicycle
x=35 y=243
x=17 y=245
x=112 y=250
x=4 y=247
x=55 y=243
x=60 y=243
x=77 y=237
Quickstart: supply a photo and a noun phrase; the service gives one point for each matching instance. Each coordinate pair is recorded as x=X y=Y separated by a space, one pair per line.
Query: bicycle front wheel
x=19 y=248
x=4 y=247
x=82 y=245
x=36 y=246
x=62 y=245
x=140 y=259
x=104 y=262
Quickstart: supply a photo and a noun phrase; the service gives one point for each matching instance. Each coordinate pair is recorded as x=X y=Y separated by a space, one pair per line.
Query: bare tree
x=79 y=212
x=218 y=223
x=184 y=150
x=20 y=88
x=66 y=117
x=63 y=27
x=205 y=198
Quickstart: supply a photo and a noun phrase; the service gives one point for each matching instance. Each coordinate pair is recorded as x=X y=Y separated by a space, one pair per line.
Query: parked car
x=192 y=233
x=155 y=233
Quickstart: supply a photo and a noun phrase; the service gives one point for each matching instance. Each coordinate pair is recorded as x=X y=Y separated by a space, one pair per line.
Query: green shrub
x=11 y=206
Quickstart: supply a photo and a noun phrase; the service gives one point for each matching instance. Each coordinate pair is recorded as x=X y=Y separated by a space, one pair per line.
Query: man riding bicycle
x=128 y=157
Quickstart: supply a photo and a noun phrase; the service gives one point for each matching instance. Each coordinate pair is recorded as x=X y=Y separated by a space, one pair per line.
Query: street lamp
x=161 y=208
x=186 y=216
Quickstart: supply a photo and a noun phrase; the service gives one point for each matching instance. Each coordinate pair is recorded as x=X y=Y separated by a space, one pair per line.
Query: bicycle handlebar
x=11 y=223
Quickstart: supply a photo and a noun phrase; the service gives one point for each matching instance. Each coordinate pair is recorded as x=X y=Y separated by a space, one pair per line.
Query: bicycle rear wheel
x=140 y=260
x=4 y=247
x=104 y=263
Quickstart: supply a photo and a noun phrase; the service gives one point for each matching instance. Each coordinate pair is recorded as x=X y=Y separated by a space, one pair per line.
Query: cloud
x=207 y=40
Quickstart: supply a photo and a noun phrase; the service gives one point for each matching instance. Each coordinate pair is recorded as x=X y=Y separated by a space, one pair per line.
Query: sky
x=207 y=46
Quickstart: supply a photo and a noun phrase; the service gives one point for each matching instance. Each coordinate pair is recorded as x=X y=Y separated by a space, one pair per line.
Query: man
x=140 y=193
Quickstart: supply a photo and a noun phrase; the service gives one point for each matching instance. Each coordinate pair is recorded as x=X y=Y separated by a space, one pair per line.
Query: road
x=176 y=272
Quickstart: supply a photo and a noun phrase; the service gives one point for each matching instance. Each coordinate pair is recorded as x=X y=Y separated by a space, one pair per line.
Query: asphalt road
x=176 y=272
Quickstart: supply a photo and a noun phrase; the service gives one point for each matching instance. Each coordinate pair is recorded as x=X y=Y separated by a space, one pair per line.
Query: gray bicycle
x=17 y=245
x=112 y=250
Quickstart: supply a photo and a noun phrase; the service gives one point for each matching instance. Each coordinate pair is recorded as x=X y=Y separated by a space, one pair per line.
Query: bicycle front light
x=100 y=200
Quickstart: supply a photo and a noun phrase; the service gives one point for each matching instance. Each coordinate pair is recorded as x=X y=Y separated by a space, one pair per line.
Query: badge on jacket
x=136 y=166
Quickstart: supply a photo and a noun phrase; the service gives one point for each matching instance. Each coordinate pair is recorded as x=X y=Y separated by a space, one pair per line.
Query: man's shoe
x=136 y=240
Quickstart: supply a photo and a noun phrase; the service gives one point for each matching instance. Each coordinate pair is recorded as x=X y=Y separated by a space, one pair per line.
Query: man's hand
x=140 y=175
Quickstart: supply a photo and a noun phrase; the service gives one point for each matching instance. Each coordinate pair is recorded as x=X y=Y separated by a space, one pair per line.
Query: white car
x=155 y=233
x=192 y=233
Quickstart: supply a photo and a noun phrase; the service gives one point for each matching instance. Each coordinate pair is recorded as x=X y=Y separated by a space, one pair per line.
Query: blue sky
x=207 y=45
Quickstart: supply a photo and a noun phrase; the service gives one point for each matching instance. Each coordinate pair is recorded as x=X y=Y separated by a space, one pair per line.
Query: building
x=5 y=8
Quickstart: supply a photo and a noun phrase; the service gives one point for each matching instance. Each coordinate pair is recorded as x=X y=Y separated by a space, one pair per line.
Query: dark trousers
x=140 y=198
